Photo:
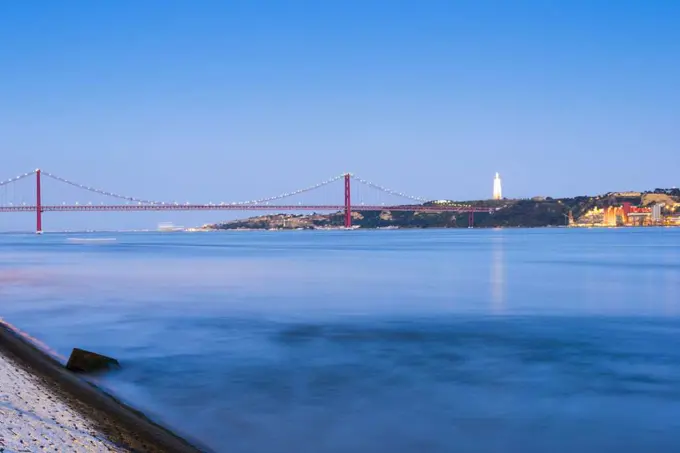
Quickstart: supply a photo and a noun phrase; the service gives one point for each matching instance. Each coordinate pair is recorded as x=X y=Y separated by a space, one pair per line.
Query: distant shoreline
x=244 y=230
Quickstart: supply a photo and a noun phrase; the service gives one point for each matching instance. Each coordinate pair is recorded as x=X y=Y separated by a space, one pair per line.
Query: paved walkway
x=34 y=419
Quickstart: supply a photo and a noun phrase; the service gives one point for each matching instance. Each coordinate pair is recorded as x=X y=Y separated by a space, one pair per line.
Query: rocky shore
x=44 y=407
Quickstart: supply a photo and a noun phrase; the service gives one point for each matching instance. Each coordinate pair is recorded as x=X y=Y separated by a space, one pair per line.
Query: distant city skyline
x=241 y=100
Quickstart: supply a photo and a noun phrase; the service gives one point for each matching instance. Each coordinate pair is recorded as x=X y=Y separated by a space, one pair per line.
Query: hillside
x=536 y=212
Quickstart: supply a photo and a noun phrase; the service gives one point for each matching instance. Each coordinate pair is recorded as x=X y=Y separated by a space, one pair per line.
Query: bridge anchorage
x=387 y=200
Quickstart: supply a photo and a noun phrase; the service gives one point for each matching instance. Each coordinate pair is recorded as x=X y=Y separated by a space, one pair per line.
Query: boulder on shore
x=82 y=361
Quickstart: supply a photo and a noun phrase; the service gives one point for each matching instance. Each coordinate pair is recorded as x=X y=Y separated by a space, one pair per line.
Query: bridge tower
x=348 y=202
x=38 y=203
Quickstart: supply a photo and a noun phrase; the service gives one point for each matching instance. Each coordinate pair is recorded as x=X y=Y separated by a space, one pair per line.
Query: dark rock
x=82 y=361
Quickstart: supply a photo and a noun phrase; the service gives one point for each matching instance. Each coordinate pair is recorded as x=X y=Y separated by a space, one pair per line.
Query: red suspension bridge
x=12 y=200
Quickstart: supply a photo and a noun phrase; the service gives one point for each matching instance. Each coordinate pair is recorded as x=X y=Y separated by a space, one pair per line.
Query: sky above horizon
x=208 y=101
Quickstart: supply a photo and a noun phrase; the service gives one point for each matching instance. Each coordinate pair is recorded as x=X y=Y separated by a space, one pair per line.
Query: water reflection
x=671 y=293
x=497 y=278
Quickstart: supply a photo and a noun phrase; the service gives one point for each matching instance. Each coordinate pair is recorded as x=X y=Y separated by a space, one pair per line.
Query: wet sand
x=44 y=407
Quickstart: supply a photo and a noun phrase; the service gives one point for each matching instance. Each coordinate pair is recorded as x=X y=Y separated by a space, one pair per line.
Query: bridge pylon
x=348 y=201
x=38 y=203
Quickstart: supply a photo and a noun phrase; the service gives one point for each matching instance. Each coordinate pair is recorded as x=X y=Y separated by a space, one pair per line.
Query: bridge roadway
x=236 y=207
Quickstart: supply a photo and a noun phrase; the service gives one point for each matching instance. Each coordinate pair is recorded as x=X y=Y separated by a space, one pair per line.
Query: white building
x=497 y=193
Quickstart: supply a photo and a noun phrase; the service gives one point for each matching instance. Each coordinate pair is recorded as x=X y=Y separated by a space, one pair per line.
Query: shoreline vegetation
x=660 y=207
x=42 y=384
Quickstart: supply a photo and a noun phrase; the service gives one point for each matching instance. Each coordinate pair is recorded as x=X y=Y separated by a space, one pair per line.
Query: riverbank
x=33 y=418
x=45 y=407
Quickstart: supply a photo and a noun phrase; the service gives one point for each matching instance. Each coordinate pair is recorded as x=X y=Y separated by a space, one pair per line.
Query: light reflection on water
x=503 y=340
x=497 y=280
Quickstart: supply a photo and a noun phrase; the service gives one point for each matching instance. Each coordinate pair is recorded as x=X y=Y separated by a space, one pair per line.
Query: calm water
x=378 y=341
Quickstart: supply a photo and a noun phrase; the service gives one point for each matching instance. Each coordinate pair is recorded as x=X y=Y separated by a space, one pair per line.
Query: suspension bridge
x=27 y=193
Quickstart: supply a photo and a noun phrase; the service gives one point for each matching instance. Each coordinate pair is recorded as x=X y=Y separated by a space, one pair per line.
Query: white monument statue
x=497 y=194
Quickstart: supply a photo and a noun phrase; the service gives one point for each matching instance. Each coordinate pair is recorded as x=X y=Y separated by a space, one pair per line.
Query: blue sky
x=209 y=100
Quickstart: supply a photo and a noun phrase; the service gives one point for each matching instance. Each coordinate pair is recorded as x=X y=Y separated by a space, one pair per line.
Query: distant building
x=656 y=212
x=497 y=193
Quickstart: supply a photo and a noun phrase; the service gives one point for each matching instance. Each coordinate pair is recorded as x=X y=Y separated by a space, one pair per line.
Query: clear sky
x=215 y=100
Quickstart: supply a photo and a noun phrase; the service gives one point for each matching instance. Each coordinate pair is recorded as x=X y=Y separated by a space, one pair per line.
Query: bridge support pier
x=38 y=203
x=348 y=203
x=471 y=219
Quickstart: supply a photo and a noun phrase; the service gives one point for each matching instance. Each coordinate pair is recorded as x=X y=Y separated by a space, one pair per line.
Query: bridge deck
x=238 y=207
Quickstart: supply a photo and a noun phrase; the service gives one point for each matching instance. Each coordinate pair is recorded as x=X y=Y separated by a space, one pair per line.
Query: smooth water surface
x=540 y=340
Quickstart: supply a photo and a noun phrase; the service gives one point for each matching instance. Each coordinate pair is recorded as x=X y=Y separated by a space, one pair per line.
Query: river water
x=538 y=340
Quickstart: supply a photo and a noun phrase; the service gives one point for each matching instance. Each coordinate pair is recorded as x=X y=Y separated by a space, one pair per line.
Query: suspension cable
x=386 y=190
x=16 y=178
x=249 y=202
x=297 y=192
x=98 y=191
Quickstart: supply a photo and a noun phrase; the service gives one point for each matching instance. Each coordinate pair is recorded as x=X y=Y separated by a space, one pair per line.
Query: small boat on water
x=168 y=226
